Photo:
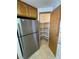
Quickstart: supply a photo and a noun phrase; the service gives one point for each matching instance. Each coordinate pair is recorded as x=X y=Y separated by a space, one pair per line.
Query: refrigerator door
x=36 y=39
x=30 y=45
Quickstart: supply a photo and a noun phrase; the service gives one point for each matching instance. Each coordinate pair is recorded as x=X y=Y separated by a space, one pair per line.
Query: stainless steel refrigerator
x=28 y=36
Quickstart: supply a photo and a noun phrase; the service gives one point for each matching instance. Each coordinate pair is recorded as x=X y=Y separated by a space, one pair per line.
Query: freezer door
x=25 y=26
x=35 y=25
x=30 y=46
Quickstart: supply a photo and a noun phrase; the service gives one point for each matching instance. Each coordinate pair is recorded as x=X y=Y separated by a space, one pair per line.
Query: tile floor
x=44 y=52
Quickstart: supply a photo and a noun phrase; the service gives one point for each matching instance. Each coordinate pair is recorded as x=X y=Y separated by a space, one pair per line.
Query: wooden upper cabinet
x=22 y=9
x=26 y=10
x=32 y=12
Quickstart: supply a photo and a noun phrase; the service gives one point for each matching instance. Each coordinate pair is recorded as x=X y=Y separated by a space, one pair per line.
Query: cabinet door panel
x=18 y=8
x=27 y=12
x=22 y=9
x=32 y=12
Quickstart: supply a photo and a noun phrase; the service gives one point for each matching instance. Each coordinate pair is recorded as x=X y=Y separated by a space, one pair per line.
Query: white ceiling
x=42 y=3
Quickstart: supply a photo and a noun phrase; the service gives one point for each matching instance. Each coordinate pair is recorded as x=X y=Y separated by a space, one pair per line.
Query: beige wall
x=44 y=25
x=44 y=17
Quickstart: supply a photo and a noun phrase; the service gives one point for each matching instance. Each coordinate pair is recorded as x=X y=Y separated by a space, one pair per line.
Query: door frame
x=39 y=23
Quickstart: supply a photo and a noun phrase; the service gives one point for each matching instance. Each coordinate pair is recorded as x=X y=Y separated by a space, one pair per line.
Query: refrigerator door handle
x=20 y=39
